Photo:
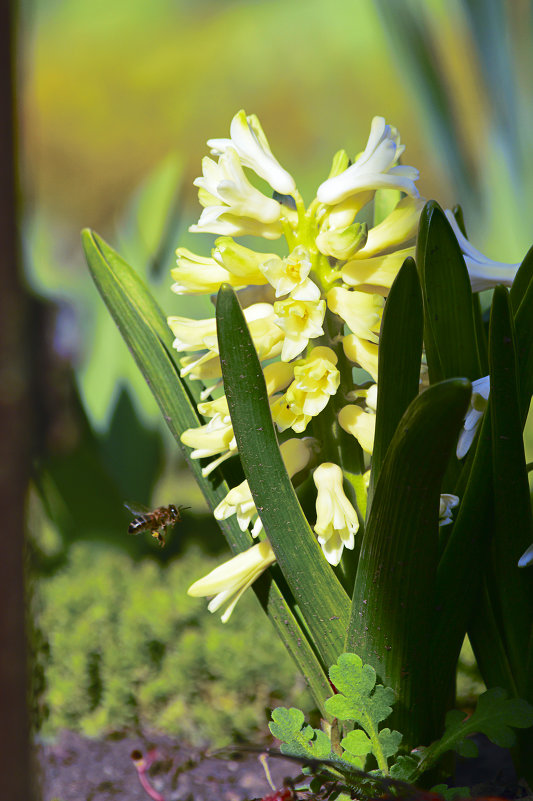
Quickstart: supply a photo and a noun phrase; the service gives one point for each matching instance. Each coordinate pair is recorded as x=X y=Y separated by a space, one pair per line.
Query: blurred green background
x=117 y=100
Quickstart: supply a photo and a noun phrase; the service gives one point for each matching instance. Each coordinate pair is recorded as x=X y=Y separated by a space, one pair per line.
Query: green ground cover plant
x=126 y=648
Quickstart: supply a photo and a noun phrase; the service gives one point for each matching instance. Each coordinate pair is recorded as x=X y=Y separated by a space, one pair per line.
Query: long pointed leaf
x=522 y=280
x=400 y=351
x=513 y=530
x=524 y=333
x=449 y=328
x=393 y=609
x=322 y=600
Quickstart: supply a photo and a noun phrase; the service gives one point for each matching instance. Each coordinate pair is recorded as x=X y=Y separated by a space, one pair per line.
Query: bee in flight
x=154 y=520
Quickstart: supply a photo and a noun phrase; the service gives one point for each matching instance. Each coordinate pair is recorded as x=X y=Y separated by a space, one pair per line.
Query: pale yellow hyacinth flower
x=361 y=424
x=361 y=311
x=287 y=412
x=230 y=263
x=317 y=376
x=377 y=167
x=300 y=320
x=377 y=272
x=248 y=139
x=397 y=230
x=225 y=185
x=204 y=368
x=316 y=379
x=217 y=220
x=362 y=352
x=291 y=275
x=240 y=261
x=343 y=214
x=336 y=519
x=232 y=206
x=215 y=437
x=295 y=453
x=228 y=581
x=198 y=275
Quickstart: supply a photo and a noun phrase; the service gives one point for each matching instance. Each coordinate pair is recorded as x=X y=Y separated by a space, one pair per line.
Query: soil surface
x=76 y=768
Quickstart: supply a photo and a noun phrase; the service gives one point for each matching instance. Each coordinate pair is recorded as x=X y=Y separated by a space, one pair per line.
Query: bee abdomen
x=136 y=525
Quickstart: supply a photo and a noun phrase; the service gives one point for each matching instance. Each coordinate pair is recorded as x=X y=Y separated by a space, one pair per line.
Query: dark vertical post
x=15 y=778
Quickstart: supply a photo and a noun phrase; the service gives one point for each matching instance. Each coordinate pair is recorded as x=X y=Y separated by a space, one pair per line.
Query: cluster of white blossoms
x=314 y=314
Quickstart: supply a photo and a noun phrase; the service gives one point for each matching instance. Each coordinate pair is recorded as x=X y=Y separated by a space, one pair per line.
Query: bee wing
x=136 y=508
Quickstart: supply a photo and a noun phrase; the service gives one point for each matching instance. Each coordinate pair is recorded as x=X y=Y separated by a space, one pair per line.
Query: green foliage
x=360 y=700
x=494 y=716
x=128 y=646
x=297 y=738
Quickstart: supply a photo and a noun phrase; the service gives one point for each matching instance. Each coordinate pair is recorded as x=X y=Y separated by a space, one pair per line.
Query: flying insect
x=154 y=520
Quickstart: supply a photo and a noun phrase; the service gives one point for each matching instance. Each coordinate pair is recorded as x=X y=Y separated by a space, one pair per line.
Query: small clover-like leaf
x=286 y=722
x=351 y=677
x=298 y=738
x=389 y=741
x=381 y=703
x=357 y=744
x=404 y=767
x=355 y=683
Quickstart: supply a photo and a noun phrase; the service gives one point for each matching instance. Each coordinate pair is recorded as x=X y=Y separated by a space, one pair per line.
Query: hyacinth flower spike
x=335 y=269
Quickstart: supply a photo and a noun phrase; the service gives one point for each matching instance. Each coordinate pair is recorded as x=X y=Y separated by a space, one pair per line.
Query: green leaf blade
x=513 y=524
x=316 y=589
x=392 y=610
x=449 y=325
x=400 y=350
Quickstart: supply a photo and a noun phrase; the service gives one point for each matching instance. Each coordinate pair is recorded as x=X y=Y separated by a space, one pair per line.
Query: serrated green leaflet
x=400 y=350
x=322 y=600
x=144 y=328
x=449 y=327
x=393 y=601
x=358 y=699
x=298 y=738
